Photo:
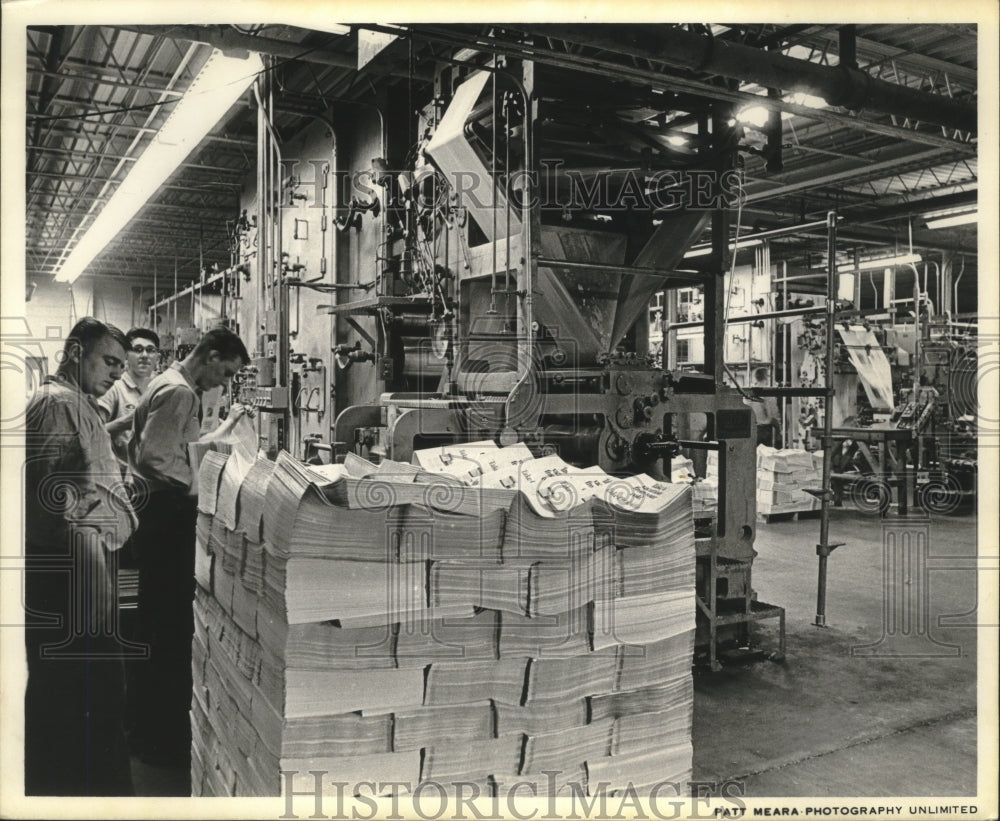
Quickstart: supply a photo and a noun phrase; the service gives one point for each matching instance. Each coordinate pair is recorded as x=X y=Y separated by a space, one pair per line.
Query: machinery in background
x=927 y=438
x=541 y=213
x=944 y=409
x=504 y=271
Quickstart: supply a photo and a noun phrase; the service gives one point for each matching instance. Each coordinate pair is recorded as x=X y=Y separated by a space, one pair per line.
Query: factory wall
x=749 y=292
x=322 y=164
x=54 y=307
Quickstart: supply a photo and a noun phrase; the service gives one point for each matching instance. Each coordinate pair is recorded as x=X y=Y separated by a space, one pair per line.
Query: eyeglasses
x=140 y=349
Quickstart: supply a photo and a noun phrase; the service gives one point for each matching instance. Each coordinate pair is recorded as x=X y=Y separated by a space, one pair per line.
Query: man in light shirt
x=142 y=355
x=77 y=516
x=166 y=420
x=119 y=403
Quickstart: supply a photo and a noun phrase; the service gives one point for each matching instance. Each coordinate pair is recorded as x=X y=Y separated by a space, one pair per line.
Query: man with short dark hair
x=77 y=516
x=165 y=422
x=118 y=404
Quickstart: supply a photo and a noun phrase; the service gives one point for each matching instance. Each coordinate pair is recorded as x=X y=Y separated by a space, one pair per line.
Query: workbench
x=888 y=464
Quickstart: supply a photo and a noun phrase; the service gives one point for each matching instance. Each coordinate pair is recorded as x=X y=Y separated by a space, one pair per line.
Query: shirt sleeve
x=161 y=446
x=59 y=466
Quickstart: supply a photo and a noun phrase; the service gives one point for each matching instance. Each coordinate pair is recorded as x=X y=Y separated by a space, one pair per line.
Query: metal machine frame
x=492 y=294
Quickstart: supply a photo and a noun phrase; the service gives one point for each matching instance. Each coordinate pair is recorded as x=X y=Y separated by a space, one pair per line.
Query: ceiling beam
x=88 y=178
x=849 y=230
x=838 y=85
x=64 y=131
x=50 y=149
x=657 y=78
x=69 y=77
x=872 y=170
x=61 y=201
x=883 y=213
x=227 y=38
x=874 y=50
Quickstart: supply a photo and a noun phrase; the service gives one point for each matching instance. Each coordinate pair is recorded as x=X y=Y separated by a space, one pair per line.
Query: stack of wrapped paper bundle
x=478 y=616
x=782 y=476
x=704 y=491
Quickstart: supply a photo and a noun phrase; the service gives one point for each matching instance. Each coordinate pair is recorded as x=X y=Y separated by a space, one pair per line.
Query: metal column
x=824 y=548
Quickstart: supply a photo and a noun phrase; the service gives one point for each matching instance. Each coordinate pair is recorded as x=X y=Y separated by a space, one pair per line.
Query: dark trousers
x=164 y=549
x=74 y=703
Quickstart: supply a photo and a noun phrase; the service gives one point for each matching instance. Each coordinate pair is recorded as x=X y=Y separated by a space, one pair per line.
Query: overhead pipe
x=228 y=40
x=961 y=271
x=600 y=65
x=773 y=130
x=847 y=37
x=773 y=135
x=842 y=85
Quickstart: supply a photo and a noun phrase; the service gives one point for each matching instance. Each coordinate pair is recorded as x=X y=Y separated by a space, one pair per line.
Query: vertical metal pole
x=918 y=439
x=283 y=351
x=857 y=281
x=823 y=549
x=263 y=192
x=715 y=287
x=848 y=46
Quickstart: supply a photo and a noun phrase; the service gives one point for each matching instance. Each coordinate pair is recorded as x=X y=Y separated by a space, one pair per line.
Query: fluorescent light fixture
x=677 y=140
x=698 y=252
x=807 y=100
x=882 y=262
x=218 y=85
x=705 y=250
x=332 y=28
x=958 y=219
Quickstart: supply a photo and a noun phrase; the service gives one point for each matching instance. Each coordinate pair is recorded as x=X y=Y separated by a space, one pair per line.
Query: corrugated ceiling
x=97 y=94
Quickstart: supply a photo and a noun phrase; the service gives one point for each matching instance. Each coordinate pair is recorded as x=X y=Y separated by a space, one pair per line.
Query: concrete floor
x=836 y=718
x=830 y=720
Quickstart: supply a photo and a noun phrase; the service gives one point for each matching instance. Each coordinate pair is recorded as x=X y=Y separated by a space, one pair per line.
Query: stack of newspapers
x=704 y=490
x=782 y=477
x=477 y=615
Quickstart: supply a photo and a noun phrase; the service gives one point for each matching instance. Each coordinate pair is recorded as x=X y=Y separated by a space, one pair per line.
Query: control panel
x=261 y=394
x=265 y=398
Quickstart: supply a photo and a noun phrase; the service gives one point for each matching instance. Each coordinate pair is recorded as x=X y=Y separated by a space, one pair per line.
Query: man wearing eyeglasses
x=142 y=355
x=118 y=404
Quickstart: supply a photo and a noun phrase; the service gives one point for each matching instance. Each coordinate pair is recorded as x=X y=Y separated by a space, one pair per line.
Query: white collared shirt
x=120 y=400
